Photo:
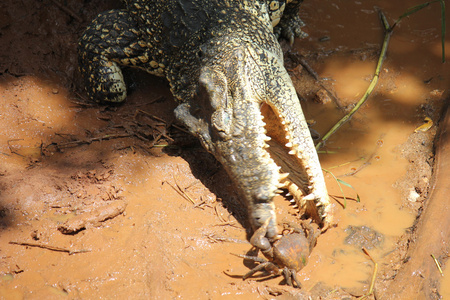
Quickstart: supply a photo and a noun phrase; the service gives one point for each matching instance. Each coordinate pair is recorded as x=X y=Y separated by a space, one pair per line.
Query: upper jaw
x=230 y=121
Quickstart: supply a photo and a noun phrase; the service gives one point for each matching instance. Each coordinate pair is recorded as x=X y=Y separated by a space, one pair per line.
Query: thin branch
x=49 y=247
x=373 y=83
x=68 y=11
x=374 y=275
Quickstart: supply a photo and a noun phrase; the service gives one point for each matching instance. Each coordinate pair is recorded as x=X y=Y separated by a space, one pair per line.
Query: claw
x=259 y=239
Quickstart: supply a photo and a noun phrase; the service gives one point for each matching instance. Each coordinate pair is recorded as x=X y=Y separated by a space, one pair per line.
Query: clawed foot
x=285 y=256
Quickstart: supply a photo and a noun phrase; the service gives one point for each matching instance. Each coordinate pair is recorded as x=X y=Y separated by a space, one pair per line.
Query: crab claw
x=260 y=241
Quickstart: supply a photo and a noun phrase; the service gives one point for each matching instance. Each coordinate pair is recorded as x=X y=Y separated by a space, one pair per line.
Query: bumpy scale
x=225 y=67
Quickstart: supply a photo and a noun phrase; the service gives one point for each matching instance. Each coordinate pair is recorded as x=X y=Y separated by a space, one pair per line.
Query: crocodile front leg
x=290 y=25
x=112 y=41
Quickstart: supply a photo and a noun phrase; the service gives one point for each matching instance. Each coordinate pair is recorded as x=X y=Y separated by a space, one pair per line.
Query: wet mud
x=120 y=202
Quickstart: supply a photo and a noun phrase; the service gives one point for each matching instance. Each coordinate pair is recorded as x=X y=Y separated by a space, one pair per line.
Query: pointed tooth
x=284 y=175
x=309 y=197
x=278 y=191
x=281 y=185
x=288 y=137
x=267 y=138
x=289 y=145
x=292 y=152
x=292 y=200
x=295 y=206
x=289 y=195
x=265 y=145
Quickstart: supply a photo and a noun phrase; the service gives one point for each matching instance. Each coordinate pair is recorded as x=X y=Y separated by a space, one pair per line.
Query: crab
x=286 y=255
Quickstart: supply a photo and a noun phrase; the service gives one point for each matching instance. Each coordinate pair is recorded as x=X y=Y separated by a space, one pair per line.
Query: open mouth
x=293 y=167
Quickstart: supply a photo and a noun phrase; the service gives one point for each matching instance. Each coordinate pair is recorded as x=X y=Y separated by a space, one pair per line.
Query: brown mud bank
x=419 y=278
x=119 y=202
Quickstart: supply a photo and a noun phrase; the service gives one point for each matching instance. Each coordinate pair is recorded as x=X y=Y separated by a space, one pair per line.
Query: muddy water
x=170 y=245
x=375 y=133
x=373 y=137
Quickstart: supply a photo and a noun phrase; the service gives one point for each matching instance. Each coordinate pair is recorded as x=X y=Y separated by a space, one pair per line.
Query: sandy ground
x=120 y=202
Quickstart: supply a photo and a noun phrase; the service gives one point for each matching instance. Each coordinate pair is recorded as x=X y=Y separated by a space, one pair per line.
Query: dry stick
x=180 y=192
x=215 y=238
x=374 y=275
x=68 y=11
x=48 y=247
x=438 y=265
x=11 y=149
x=367 y=162
x=218 y=215
x=346 y=118
x=90 y=140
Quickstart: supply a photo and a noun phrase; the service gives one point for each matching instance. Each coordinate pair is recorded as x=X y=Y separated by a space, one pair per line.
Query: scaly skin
x=223 y=62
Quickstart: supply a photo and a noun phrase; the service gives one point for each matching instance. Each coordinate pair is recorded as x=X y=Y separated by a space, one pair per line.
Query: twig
x=373 y=83
x=157 y=99
x=214 y=238
x=150 y=115
x=49 y=247
x=374 y=275
x=229 y=223
x=308 y=68
x=67 y=11
x=218 y=215
x=164 y=122
x=368 y=161
x=180 y=128
x=180 y=191
x=90 y=140
x=11 y=149
x=438 y=265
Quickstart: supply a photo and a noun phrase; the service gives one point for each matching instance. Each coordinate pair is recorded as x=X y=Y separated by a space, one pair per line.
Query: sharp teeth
x=288 y=137
x=289 y=145
x=295 y=206
x=267 y=138
x=292 y=200
x=292 y=152
x=266 y=146
x=283 y=123
x=309 y=197
x=284 y=176
x=289 y=195
x=282 y=185
x=278 y=191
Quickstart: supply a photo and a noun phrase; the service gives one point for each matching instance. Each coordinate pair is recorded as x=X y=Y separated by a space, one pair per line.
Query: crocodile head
x=247 y=114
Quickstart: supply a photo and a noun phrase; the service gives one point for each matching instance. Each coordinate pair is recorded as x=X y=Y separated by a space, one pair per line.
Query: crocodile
x=224 y=65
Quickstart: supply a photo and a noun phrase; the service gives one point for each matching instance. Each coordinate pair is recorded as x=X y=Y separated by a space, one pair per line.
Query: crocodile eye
x=274 y=5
